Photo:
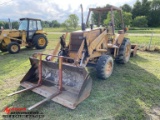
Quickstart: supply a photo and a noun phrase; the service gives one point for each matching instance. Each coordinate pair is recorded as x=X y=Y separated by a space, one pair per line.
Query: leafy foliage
x=53 y=23
x=126 y=8
x=127 y=18
x=71 y=22
x=140 y=21
x=154 y=17
x=4 y=24
x=15 y=24
x=108 y=19
x=149 y=9
x=137 y=9
x=95 y=16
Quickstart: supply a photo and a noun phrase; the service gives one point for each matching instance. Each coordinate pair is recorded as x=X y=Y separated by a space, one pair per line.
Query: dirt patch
x=154 y=113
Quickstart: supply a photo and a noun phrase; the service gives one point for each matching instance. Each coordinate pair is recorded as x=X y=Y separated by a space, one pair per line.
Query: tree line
x=45 y=24
x=70 y=23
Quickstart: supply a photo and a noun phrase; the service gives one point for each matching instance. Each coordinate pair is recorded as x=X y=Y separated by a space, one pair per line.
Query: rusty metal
x=73 y=82
x=69 y=88
x=45 y=100
x=103 y=10
x=40 y=69
x=23 y=90
x=60 y=72
x=55 y=52
x=39 y=81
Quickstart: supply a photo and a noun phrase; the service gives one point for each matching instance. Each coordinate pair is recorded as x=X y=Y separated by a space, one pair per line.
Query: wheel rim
x=41 y=41
x=127 y=52
x=14 y=48
x=109 y=67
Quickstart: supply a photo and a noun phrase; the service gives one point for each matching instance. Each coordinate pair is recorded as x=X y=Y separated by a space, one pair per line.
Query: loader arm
x=95 y=44
x=83 y=55
x=55 y=52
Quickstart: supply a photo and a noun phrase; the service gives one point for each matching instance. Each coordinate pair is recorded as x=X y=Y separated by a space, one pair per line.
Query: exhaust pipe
x=10 y=24
x=83 y=26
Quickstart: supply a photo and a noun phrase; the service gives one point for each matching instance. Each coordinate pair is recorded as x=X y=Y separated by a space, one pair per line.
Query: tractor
x=30 y=34
x=62 y=76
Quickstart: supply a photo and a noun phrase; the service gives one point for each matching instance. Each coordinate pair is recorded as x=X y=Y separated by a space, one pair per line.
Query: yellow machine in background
x=29 y=34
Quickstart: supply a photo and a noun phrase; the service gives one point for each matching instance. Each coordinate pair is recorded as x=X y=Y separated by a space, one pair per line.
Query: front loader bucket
x=76 y=83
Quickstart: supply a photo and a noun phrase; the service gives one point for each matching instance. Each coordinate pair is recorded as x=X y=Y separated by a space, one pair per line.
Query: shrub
x=140 y=21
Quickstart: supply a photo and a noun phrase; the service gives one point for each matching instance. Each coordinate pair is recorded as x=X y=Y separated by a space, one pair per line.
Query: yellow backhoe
x=62 y=76
x=30 y=34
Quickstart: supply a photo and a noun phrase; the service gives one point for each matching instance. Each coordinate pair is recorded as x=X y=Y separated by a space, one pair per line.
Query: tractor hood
x=10 y=33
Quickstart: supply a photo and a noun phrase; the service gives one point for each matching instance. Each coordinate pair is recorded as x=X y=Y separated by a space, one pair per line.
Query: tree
x=140 y=21
x=127 y=18
x=155 y=5
x=141 y=8
x=95 y=16
x=154 y=17
x=126 y=8
x=108 y=19
x=55 y=23
x=15 y=25
x=2 y=23
x=145 y=9
x=137 y=9
x=66 y=24
x=71 y=22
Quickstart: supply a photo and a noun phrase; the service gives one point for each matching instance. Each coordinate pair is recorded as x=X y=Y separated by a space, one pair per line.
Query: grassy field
x=144 y=30
x=61 y=29
x=131 y=30
x=131 y=93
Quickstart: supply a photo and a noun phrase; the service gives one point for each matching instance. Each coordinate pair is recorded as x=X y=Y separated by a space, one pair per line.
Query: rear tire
x=104 y=67
x=40 y=41
x=13 y=47
x=124 y=52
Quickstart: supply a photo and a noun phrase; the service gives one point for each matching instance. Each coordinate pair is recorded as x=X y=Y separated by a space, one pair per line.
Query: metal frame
x=39 y=83
x=101 y=10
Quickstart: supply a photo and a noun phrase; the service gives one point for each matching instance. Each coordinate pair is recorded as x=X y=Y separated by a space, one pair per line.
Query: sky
x=51 y=9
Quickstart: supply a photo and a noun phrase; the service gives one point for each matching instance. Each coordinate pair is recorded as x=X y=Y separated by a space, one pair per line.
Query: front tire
x=40 y=41
x=104 y=67
x=13 y=47
x=124 y=52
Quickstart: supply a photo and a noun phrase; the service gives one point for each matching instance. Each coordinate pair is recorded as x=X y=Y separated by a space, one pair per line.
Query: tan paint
x=41 y=32
x=120 y=39
x=6 y=40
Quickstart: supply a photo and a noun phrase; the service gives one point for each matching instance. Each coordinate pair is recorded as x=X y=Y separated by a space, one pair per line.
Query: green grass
x=145 y=31
x=61 y=29
x=131 y=30
x=54 y=29
x=145 y=39
x=130 y=93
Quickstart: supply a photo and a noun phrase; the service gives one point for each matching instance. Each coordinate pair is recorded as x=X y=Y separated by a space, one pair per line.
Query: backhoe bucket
x=76 y=83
